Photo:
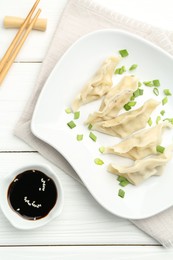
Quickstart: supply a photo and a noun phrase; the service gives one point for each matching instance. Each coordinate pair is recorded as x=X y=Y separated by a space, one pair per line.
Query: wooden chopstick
x=19 y=46
x=17 y=37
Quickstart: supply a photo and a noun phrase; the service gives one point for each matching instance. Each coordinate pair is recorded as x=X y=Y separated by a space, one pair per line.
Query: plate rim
x=34 y=130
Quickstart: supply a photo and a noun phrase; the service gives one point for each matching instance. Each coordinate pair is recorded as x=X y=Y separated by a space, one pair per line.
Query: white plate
x=49 y=121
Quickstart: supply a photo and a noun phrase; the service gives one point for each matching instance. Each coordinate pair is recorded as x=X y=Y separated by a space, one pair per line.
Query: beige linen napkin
x=81 y=17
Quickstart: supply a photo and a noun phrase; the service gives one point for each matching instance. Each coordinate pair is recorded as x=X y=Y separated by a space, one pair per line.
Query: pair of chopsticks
x=18 y=41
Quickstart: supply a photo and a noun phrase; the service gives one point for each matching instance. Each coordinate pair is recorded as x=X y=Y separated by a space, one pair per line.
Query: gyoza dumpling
x=127 y=83
x=112 y=109
x=144 y=168
x=127 y=123
x=141 y=144
x=114 y=100
x=99 y=85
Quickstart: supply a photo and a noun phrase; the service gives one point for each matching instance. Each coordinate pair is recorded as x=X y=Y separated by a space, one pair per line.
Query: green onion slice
x=158 y=119
x=71 y=124
x=133 y=67
x=98 y=161
x=68 y=110
x=162 y=112
x=150 y=121
x=76 y=115
x=102 y=149
x=127 y=107
x=164 y=101
x=160 y=149
x=121 y=193
x=90 y=126
x=93 y=137
x=148 y=83
x=169 y=120
x=156 y=91
x=123 y=53
x=167 y=92
x=79 y=137
x=120 y=70
x=124 y=183
x=156 y=82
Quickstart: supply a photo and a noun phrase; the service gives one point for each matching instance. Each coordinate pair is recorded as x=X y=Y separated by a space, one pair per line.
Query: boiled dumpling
x=127 y=83
x=114 y=100
x=141 y=144
x=112 y=109
x=99 y=85
x=127 y=123
x=144 y=168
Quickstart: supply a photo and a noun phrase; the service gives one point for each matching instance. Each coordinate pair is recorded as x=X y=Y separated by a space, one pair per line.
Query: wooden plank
x=37 y=44
x=86 y=252
x=83 y=221
x=14 y=94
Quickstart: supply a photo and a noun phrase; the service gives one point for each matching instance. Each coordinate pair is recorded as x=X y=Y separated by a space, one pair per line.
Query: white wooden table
x=84 y=230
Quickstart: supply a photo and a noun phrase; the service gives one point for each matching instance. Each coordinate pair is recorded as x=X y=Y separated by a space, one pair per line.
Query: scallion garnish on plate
x=98 y=161
x=121 y=193
x=123 y=53
x=76 y=115
x=79 y=137
x=71 y=124
x=156 y=91
x=93 y=136
x=160 y=149
x=164 y=101
x=167 y=92
x=133 y=67
x=68 y=110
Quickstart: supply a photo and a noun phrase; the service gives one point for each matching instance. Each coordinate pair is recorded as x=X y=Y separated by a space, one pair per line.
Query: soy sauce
x=32 y=194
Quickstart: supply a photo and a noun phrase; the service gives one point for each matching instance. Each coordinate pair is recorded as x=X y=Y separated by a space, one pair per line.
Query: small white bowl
x=14 y=218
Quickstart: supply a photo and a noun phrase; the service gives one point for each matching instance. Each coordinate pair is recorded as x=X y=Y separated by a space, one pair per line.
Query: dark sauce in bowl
x=32 y=194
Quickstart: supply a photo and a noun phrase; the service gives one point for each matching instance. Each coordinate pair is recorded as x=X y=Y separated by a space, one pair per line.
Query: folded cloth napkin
x=81 y=17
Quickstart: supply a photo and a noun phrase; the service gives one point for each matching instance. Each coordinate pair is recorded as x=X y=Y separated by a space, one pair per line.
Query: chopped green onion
x=141 y=92
x=150 y=121
x=123 y=53
x=132 y=98
x=76 y=115
x=160 y=149
x=131 y=103
x=121 y=193
x=164 y=101
x=167 y=92
x=90 y=126
x=139 y=84
x=79 y=137
x=127 y=107
x=98 y=161
x=138 y=92
x=102 y=149
x=156 y=91
x=71 y=124
x=121 y=178
x=120 y=70
x=124 y=183
x=68 y=110
x=93 y=137
x=169 y=119
x=162 y=112
x=148 y=83
x=158 y=119
x=133 y=67
x=156 y=82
